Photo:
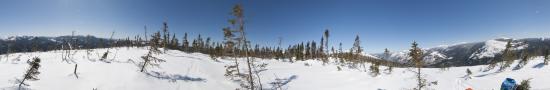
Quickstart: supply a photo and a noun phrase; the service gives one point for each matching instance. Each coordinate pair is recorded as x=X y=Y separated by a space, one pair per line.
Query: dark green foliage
x=507 y=57
x=149 y=59
x=524 y=85
x=104 y=56
x=468 y=72
x=32 y=72
x=416 y=55
x=374 y=69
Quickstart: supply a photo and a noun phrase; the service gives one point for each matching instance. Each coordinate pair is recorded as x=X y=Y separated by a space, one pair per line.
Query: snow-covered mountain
x=25 y=43
x=476 y=53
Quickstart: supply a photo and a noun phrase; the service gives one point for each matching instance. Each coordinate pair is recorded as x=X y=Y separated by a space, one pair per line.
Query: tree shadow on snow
x=540 y=65
x=15 y=88
x=483 y=75
x=174 y=77
x=281 y=83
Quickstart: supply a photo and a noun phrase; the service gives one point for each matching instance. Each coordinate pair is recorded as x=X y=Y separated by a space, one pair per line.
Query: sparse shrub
x=524 y=85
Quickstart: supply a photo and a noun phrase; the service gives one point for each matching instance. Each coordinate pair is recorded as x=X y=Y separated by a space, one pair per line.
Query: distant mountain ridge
x=43 y=43
x=475 y=53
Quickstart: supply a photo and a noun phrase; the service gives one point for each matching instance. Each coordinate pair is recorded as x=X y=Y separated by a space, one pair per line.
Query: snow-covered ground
x=194 y=71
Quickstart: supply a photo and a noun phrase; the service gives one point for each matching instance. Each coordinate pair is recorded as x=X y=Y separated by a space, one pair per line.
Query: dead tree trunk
x=75 y=68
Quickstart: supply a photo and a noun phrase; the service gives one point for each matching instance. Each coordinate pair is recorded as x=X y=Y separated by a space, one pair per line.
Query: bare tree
x=75 y=68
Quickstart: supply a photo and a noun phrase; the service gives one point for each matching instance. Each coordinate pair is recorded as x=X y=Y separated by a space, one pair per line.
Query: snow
x=491 y=48
x=435 y=56
x=195 y=71
x=494 y=47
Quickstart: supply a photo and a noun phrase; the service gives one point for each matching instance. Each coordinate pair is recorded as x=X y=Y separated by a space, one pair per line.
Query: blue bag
x=508 y=84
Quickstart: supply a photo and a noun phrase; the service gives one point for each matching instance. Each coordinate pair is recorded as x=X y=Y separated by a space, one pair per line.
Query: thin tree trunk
x=259 y=81
x=143 y=67
x=420 y=84
x=21 y=83
x=24 y=78
x=75 y=68
x=250 y=79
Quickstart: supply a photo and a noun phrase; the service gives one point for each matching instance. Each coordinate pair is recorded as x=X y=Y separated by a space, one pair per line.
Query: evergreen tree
x=200 y=43
x=416 y=55
x=308 y=53
x=357 y=49
x=207 y=45
x=322 y=47
x=166 y=34
x=507 y=56
x=314 y=51
x=185 y=46
x=524 y=85
x=386 y=54
x=374 y=69
x=468 y=72
x=31 y=73
x=252 y=77
x=149 y=59
x=326 y=35
x=524 y=60
x=340 y=52
x=174 y=42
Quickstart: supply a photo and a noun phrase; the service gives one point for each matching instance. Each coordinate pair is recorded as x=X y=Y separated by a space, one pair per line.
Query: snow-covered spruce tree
x=149 y=59
x=416 y=55
x=31 y=73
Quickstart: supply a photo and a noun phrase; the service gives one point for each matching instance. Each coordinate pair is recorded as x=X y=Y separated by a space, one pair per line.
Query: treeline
x=295 y=52
x=40 y=43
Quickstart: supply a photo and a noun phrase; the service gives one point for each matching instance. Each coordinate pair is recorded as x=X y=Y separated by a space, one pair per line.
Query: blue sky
x=392 y=24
